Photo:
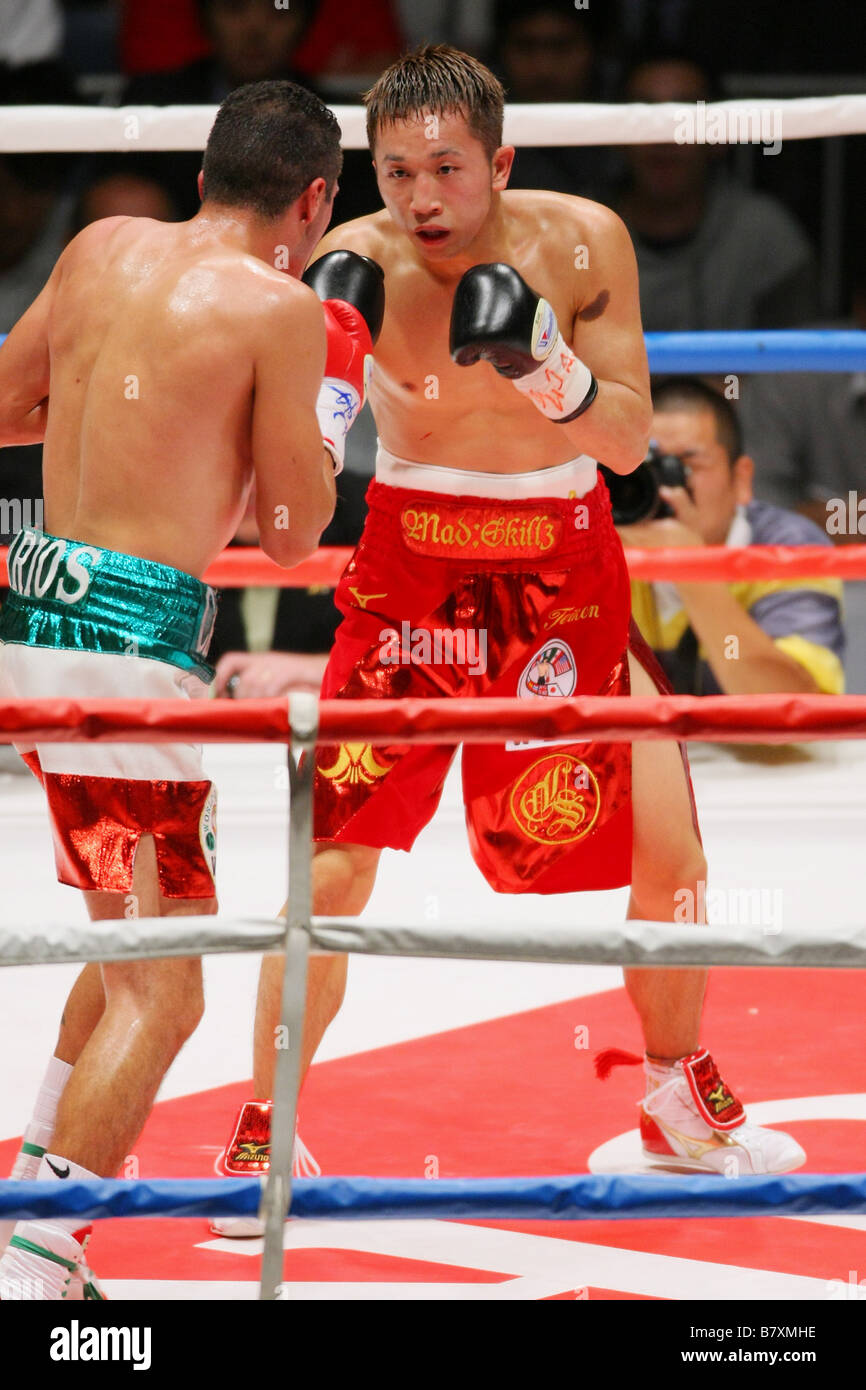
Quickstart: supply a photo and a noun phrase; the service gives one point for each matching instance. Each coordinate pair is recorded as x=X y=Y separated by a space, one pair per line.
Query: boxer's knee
x=343 y=879
x=165 y=997
x=662 y=884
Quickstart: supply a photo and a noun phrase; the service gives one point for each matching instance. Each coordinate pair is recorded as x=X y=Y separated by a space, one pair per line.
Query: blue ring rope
x=583 y=1196
x=788 y=350
x=776 y=350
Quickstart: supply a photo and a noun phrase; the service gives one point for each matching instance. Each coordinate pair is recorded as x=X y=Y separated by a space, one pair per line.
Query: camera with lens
x=635 y=496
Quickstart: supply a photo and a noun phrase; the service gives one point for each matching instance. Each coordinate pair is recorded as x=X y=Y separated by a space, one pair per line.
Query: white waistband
x=573 y=479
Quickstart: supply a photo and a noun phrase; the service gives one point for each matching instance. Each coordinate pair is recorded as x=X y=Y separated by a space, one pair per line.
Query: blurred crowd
x=722 y=242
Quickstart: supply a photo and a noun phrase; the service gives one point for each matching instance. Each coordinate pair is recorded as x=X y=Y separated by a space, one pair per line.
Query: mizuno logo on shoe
x=695 y=1148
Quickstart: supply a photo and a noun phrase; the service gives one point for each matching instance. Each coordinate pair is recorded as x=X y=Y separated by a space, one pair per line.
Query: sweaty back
x=147 y=448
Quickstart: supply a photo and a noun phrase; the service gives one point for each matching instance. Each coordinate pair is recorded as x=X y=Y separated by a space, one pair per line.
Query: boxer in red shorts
x=511 y=359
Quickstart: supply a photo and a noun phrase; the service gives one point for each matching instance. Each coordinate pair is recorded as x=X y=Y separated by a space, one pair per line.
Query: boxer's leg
x=666 y=859
x=81 y=1013
x=343 y=879
x=151 y=1008
x=713 y=1134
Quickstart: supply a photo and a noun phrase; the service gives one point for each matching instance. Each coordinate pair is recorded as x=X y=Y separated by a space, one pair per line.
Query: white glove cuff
x=336 y=407
x=560 y=385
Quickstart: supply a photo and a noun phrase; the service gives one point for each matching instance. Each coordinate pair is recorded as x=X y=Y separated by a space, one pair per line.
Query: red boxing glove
x=352 y=291
x=343 y=392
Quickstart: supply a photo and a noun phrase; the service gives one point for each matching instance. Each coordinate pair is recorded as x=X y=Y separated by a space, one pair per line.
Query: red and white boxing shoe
x=691 y=1121
x=247 y=1155
x=45 y=1263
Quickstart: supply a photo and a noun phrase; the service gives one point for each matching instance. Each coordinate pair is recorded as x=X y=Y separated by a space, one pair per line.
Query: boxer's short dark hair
x=692 y=394
x=439 y=80
x=268 y=142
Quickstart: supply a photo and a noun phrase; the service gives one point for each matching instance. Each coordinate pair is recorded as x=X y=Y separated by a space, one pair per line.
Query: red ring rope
x=718 y=718
x=244 y=566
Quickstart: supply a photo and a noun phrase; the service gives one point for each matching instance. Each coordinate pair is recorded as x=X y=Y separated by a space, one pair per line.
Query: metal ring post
x=304 y=722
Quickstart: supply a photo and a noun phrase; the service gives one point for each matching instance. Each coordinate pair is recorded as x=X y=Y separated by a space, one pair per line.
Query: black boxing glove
x=497 y=317
x=355 y=280
x=352 y=290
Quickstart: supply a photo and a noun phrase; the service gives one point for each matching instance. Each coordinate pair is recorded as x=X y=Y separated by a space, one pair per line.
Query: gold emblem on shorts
x=557 y=800
x=363 y=599
x=356 y=762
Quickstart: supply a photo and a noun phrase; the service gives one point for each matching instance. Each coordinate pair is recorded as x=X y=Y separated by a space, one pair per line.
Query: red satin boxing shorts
x=475 y=597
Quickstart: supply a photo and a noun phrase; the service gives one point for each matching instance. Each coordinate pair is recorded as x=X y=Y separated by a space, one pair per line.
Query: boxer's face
x=717 y=486
x=437 y=181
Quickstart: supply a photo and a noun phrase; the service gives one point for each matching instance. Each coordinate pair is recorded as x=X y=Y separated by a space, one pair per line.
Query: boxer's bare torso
x=153 y=339
x=429 y=410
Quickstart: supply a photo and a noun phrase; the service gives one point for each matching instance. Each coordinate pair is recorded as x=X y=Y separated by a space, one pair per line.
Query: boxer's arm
x=295 y=492
x=606 y=334
x=25 y=372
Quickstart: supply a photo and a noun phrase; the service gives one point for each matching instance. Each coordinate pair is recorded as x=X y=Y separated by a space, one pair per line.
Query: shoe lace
x=652 y=1102
x=303 y=1163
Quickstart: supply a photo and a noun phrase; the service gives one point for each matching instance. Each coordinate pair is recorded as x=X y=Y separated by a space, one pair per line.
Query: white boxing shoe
x=44 y=1263
x=690 y=1121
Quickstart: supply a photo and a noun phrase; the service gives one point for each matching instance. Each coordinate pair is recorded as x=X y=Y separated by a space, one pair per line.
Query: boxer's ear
x=501 y=165
x=200 y=185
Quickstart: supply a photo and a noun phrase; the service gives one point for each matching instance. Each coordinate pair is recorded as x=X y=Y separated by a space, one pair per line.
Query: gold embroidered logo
x=356 y=763
x=720 y=1098
x=363 y=599
x=572 y=615
x=487 y=530
x=557 y=800
x=251 y=1153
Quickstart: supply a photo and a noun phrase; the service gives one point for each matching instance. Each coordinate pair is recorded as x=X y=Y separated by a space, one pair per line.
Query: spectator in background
x=711 y=254
x=349 y=45
x=744 y=638
x=160 y=36
x=35 y=196
x=121 y=195
x=779 y=36
x=35 y=204
x=807 y=434
x=250 y=41
x=341 y=40
x=31 y=31
x=546 y=51
x=470 y=27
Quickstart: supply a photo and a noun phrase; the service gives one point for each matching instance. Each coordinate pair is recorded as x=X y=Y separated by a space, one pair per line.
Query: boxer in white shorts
x=167 y=367
x=86 y=621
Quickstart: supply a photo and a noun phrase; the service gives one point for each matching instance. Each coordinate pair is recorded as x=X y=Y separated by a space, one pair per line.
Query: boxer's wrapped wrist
x=562 y=386
x=337 y=406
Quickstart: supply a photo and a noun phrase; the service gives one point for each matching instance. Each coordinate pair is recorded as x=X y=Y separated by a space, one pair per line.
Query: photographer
x=743 y=638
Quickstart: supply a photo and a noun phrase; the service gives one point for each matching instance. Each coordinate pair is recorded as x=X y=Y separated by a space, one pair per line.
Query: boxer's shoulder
x=546 y=212
x=374 y=235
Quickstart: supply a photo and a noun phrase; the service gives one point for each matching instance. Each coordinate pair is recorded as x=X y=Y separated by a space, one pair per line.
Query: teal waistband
x=79 y=597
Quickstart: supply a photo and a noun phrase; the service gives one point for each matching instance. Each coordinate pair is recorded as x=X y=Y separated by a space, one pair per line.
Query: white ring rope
x=829 y=946
x=145 y=128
